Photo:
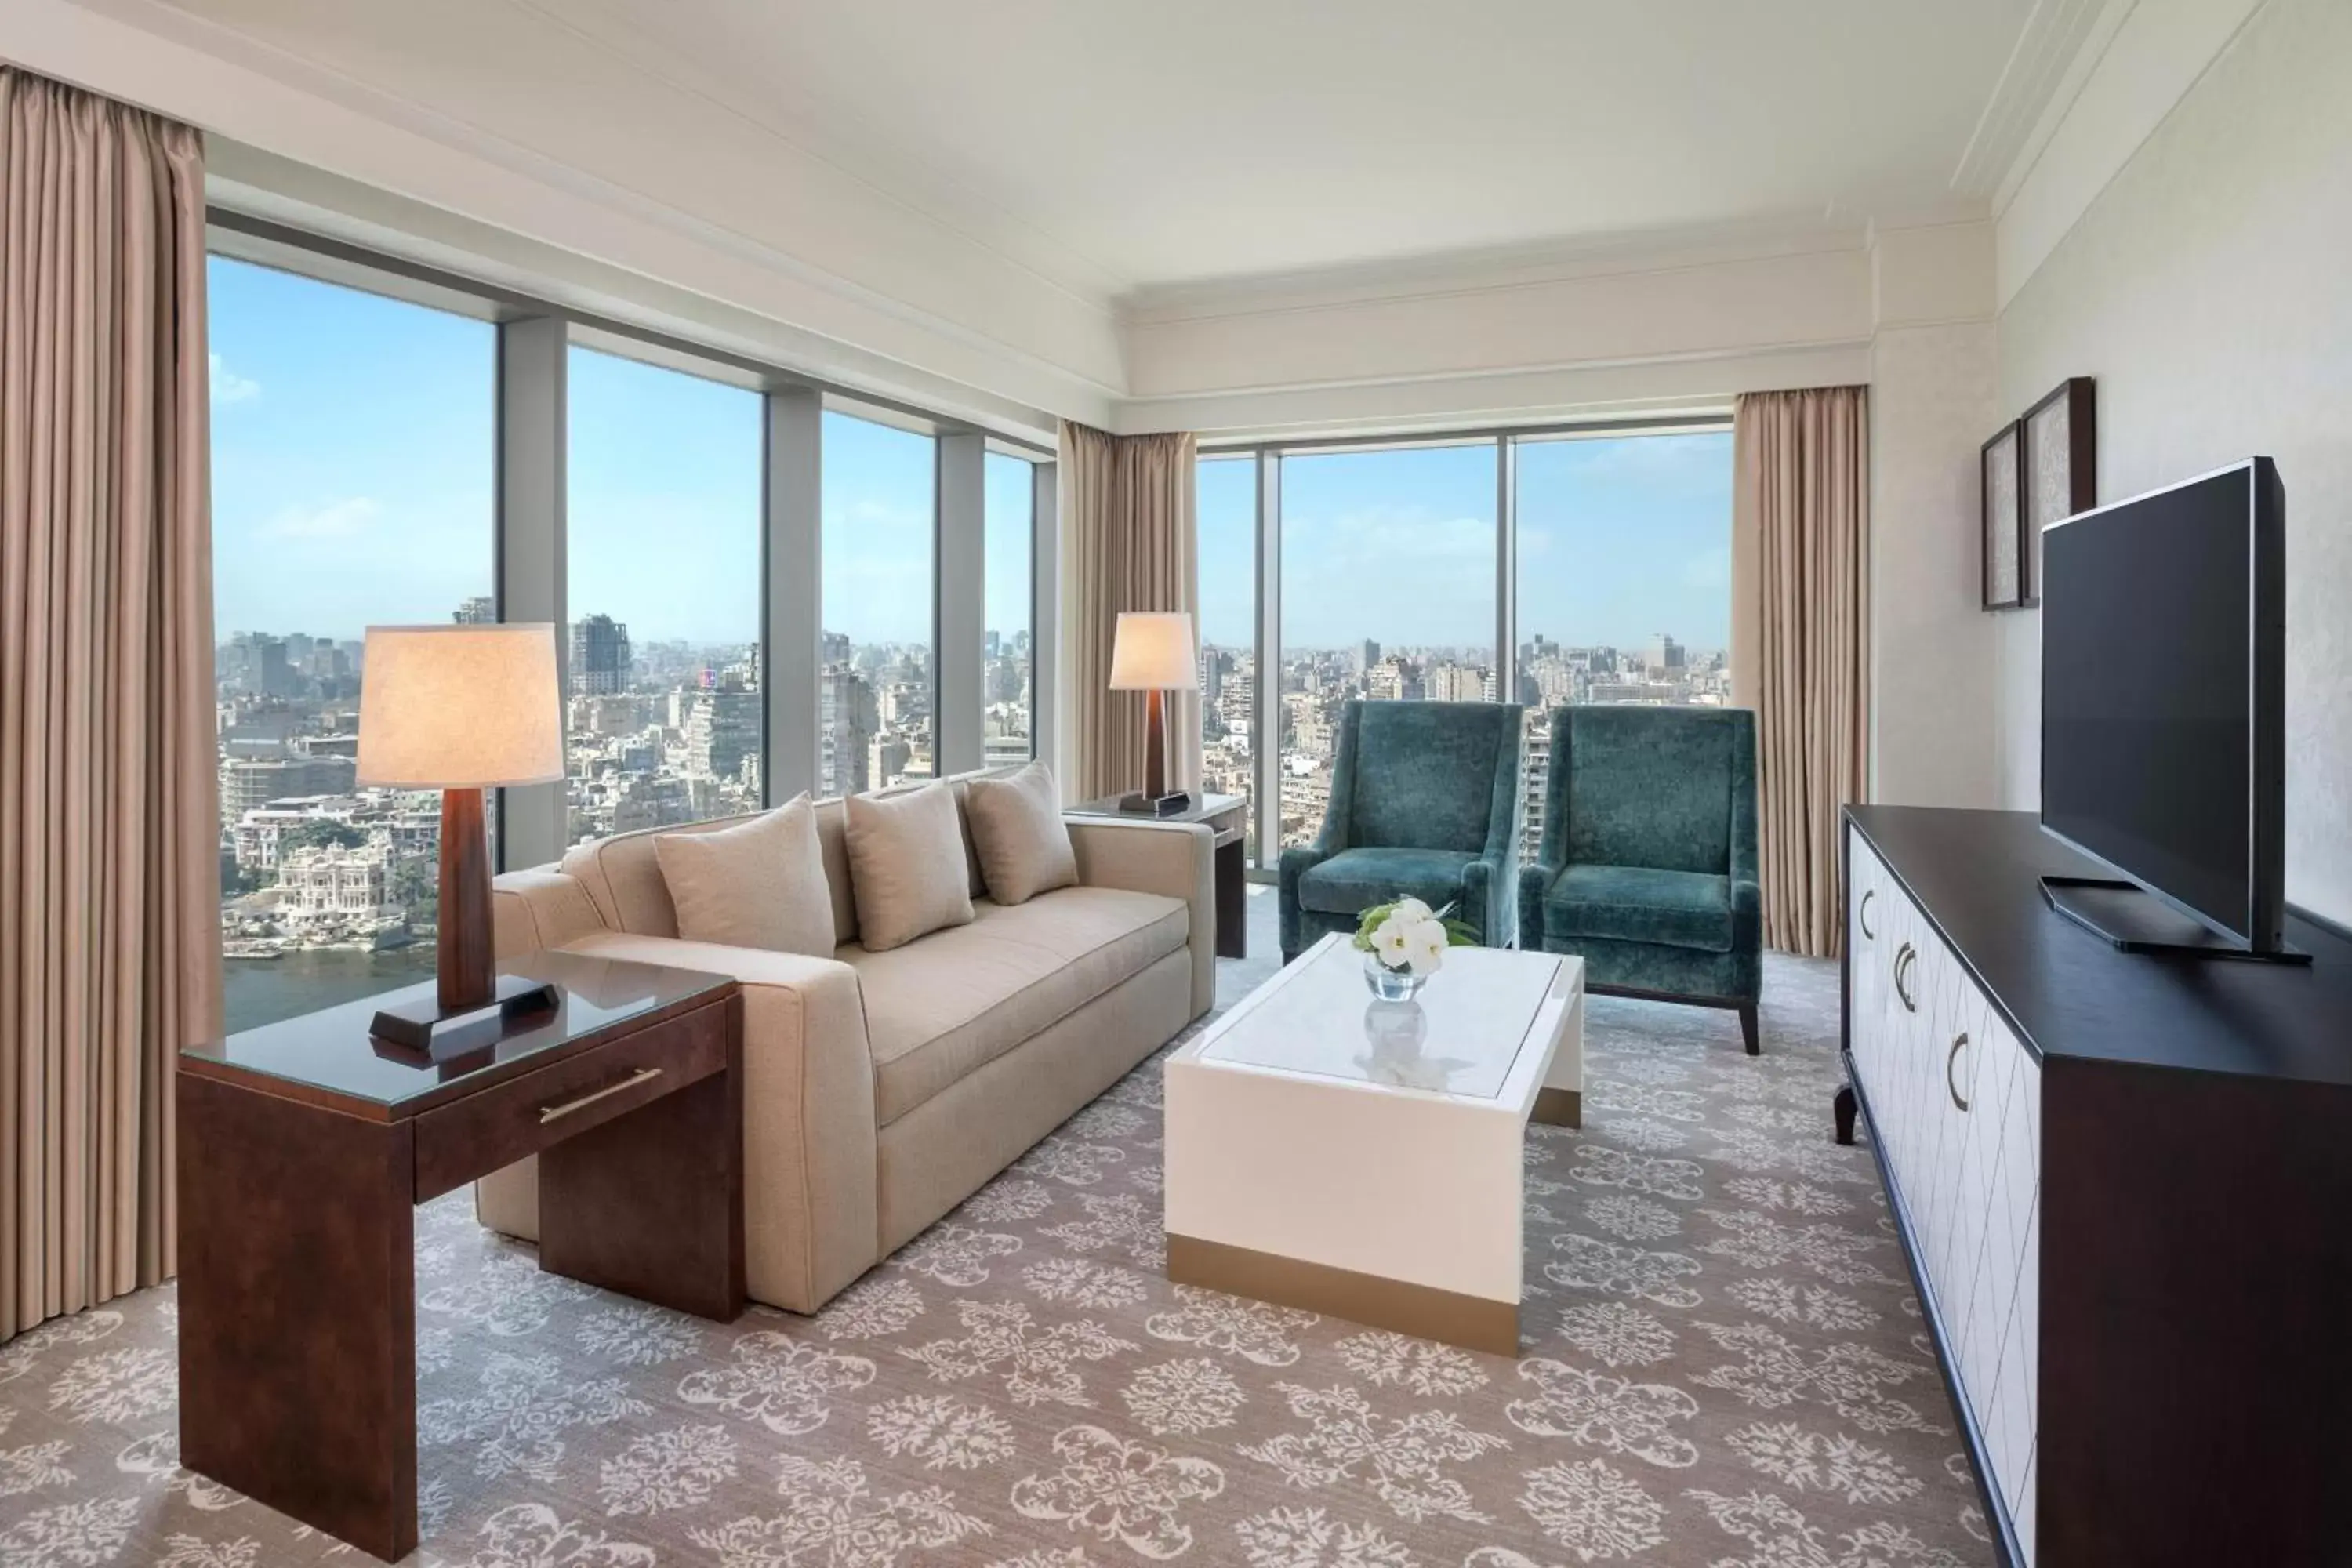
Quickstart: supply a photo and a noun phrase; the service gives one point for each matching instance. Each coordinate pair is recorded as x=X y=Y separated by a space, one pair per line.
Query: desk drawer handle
x=1903 y=956
x=1861 y=915
x=1951 y=1060
x=548 y=1113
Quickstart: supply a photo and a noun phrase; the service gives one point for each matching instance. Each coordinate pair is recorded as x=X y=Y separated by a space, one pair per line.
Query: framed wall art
x=2002 y=520
x=2060 y=464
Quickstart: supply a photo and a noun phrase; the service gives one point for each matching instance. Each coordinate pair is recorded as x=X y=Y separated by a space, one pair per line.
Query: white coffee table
x=1364 y=1160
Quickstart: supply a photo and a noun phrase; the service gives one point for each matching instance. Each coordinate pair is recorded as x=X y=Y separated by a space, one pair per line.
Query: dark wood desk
x=1225 y=815
x=304 y=1147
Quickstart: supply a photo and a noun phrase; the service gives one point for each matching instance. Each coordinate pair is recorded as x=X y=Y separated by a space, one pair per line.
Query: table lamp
x=1151 y=652
x=460 y=708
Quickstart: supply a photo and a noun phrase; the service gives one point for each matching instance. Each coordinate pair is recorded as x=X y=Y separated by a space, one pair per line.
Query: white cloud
x=230 y=387
x=335 y=519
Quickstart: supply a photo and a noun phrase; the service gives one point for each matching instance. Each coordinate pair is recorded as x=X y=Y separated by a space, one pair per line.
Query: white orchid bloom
x=1392 y=939
x=1425 y=946
x=1413 y=911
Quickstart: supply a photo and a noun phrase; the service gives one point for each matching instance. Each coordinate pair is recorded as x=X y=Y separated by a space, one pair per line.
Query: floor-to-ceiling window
x=663 y=714
x=1388 y=593
x=354 y=463
x=1624 y=580
x=1008 y=661
x=1226 y=491
x=877 y=682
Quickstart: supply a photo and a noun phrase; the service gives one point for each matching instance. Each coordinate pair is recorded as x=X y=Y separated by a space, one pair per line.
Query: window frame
x=1505 y=441
x=530 y=530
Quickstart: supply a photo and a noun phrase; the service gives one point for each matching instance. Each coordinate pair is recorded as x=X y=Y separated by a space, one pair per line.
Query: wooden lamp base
x=468 y=985
x=1156 y=799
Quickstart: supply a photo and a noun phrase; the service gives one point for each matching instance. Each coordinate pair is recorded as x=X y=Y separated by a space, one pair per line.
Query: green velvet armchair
x=1647 y=869
x=1424 y=802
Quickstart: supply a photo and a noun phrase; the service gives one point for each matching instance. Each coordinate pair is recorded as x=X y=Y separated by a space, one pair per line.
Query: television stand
x=2132 y=919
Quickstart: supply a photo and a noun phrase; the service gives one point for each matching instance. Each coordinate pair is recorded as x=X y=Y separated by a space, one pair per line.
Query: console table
x=304 y=1147
x=2120 y=1180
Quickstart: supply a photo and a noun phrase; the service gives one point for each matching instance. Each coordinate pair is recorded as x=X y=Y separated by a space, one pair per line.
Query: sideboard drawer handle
x=1951 y=1060
x=1903 y=959
x=1861 y=915
x=548 y=1113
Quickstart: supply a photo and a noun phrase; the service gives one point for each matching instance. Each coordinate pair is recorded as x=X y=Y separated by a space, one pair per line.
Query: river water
x=255 y=992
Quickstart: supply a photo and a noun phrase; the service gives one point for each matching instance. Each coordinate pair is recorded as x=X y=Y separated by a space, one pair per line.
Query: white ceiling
x=1132 y=145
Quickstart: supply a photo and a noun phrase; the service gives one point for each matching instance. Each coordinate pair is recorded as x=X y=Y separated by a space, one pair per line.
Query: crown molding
x=311 y=114
x=1451 y=273
x=2043 y=72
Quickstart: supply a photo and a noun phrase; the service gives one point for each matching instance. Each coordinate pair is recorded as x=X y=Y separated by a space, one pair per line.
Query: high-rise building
x=600 y=657
x=846 y=723
x=1367 y=656
x=246 y=784
x=722 y=728
x=1665 y=653
x=480 y=611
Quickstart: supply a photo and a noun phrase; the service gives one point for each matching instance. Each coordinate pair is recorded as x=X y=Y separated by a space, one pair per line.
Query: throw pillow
x=758 y=884
x=1016 y=824
x=906 y=864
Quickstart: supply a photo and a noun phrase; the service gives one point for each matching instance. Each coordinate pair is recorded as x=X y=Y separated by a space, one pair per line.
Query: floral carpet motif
x=1722 y=1365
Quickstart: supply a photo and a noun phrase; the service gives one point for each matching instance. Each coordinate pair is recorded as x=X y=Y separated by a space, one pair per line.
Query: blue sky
x=1618 y=539
x=353 y=478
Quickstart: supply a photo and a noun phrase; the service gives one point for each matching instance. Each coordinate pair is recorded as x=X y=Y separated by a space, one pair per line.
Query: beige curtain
x=1802 y=486
x=1128 y=544
x=108 y=834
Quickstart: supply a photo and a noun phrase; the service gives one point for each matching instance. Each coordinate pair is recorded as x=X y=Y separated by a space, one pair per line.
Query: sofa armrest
x=810 y=1215
x=531 y=911
x=1176 y=859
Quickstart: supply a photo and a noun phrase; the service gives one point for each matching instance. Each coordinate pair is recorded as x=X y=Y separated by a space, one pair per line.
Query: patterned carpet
x=1723 y=1365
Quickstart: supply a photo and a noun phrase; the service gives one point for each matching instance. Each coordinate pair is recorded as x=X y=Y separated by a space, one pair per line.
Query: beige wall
x=2209 y=288
x=1932 y=400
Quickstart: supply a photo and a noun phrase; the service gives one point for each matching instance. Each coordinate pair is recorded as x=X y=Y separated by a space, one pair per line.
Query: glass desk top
x=330 y=1052
x=1460 y=1037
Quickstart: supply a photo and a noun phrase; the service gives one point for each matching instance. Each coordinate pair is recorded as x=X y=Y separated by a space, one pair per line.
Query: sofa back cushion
x=758 y=883
x=903 y=864
x=1016 y=829
x=623 y=873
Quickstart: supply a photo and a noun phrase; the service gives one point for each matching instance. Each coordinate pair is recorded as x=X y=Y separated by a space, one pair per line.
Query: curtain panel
x=108 y=829
x=1801 y=489
x=1129 y=543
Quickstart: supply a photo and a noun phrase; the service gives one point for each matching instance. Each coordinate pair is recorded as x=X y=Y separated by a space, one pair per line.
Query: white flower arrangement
x=1408 y=935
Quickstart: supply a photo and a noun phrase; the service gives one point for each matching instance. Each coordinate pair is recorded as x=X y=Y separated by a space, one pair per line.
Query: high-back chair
x=1647 y=869
x=1424 y=802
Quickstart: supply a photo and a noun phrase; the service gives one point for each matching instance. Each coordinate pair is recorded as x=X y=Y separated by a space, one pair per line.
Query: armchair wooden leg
x=1747 y=1028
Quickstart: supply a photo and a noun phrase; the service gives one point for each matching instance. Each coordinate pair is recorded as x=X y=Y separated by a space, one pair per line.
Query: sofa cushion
x=1634 y=903
x=1016 y=827
x=1353 y=880
x=623 y=873
x=759 y=883
x=945 y=1003
x=906 y=864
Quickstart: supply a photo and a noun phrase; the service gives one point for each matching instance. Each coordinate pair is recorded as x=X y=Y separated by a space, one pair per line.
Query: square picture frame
x=2000 y=464
x=2059 y=467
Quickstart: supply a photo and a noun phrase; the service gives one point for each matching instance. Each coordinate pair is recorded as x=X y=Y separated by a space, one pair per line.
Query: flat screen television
x=2163 y=729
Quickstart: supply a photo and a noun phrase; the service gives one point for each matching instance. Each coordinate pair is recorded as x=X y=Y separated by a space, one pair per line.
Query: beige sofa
x=883 y=1088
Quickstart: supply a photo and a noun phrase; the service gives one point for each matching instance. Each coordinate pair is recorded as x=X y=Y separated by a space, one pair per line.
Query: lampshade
x=1152 y=651
x=463 y=707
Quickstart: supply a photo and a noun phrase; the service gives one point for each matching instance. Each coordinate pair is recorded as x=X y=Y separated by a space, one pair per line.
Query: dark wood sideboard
x=2121 y=1182
x=304 y=1147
